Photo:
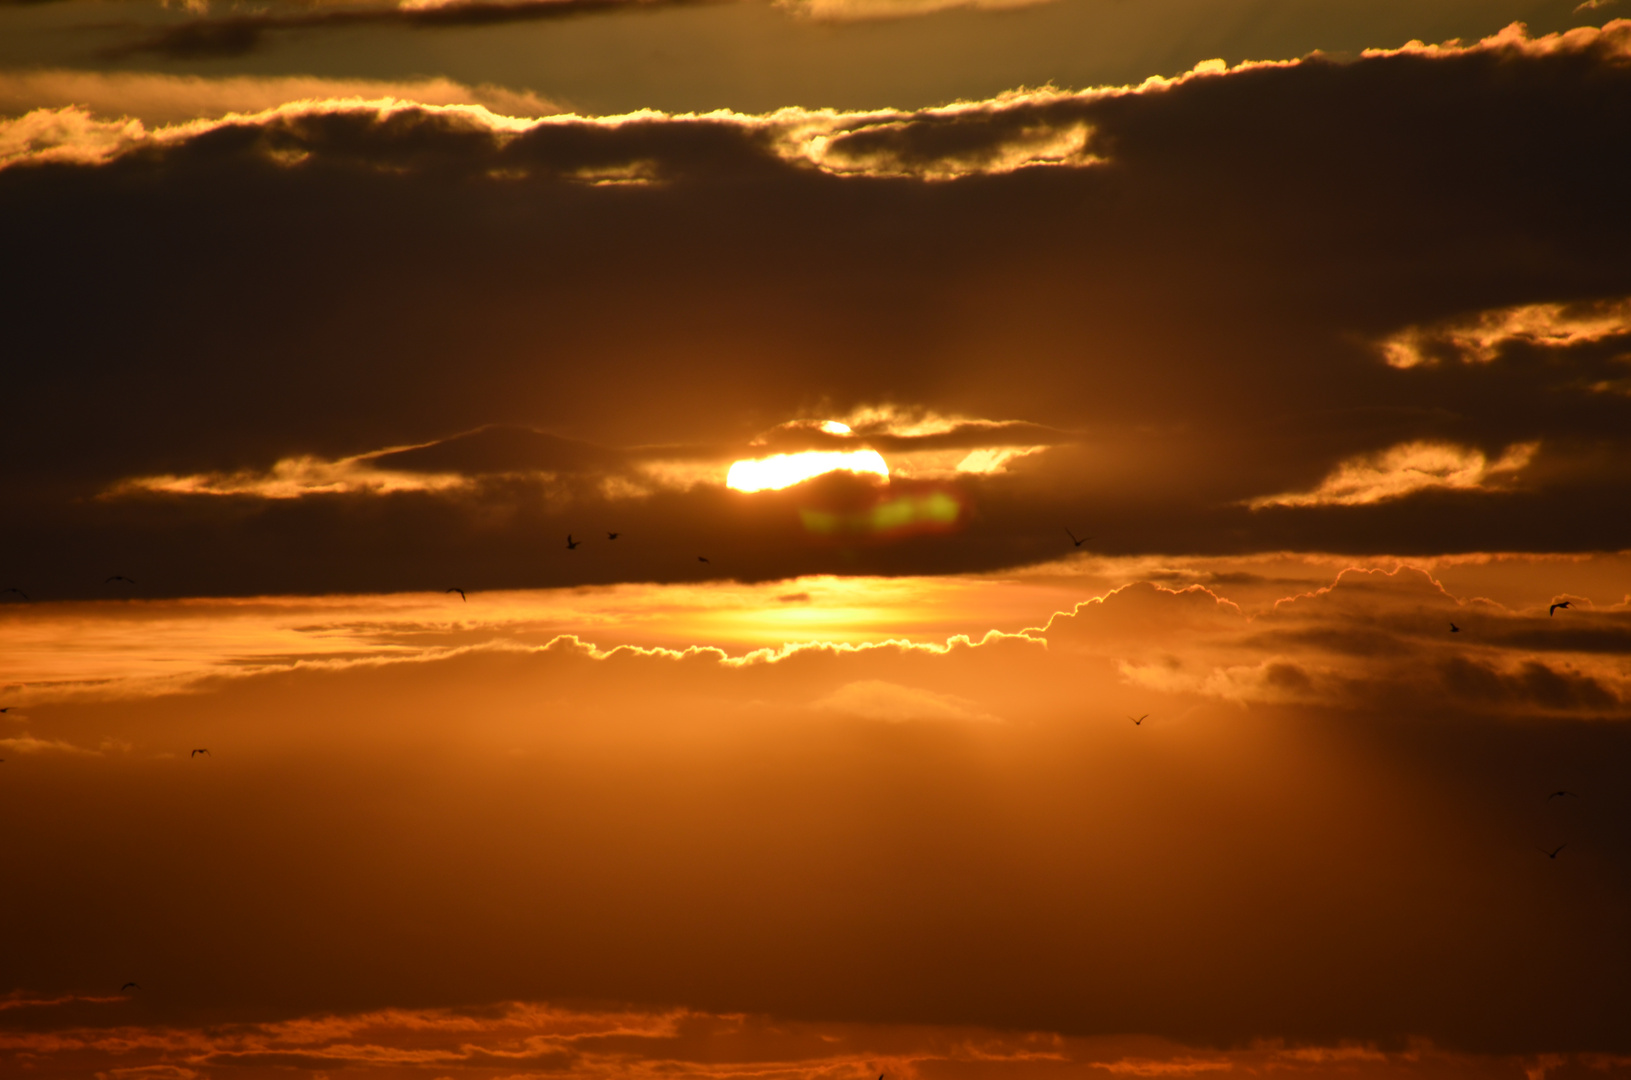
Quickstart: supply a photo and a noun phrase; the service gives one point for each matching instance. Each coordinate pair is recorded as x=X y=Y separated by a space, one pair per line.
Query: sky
x=815 y=539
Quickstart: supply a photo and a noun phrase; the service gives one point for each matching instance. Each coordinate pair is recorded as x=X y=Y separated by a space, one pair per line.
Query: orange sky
x=819 y=539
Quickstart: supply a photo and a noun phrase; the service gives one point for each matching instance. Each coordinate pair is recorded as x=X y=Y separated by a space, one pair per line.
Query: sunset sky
x=810 y=539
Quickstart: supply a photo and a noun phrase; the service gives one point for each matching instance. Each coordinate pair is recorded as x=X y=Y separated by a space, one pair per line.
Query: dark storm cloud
x=1188 y=291
x=236 y=35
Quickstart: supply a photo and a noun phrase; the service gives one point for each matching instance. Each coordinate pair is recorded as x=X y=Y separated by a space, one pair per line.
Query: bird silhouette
x=1555 y=794
x=702 y=558
x=460 y=591
x=1080 y=542
x=7 y=709
x=1454 y=629
x=128 y=986
x=1140 y=720
x=613 y=536
x=16 y=590
x=571 y=543
x=118 y=577
x=1559 y=604
x=195 y=753
x=1553 y=853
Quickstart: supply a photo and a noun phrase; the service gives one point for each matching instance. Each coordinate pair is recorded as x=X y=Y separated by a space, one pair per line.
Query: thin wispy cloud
x=238 y=35
x=1404 y=470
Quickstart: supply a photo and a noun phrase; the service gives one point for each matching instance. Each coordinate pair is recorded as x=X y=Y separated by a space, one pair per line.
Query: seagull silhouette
x=1553 y=853
x=460 y=591
x=702 y=558
x=1454 y=629
x=128 y=986
x=613 y=536
x=571 y=543
x=195 y=753
x=7 y=709
x=1555 y=794
x=118 y=577
x=16 y=590
x=1140 y=721
x=1559 y=604
x=1080 y=542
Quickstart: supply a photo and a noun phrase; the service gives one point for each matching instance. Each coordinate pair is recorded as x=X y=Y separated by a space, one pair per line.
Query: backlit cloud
x=1406 y=469
x=1480 y=338
x=158 y=98
x=1027 y=347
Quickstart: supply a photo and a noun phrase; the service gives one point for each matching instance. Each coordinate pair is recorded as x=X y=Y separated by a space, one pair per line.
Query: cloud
x=852 y=10
x=1011 y=132
x=705 y=1046
x=1481 y=338
x=688 y=824
x=874 y=699
x=462 y=462
x=238 y=35
x=28 y=744
x=689 y=821
x=157 y=98
x=1404 y=470
x=1149 y=317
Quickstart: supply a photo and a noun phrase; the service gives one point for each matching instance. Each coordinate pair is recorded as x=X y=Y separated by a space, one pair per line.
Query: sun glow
x=784 y=470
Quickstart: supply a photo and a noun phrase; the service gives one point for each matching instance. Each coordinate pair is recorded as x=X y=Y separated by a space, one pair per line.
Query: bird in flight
x=1555 y=794
x=1454 y=629
x=1139 y=721
x=613 y=536
x=1080 y=542
x=460 y=591
x=16 y=590
x=7 y=709
x=195 y=753
x=702 y=558
x=118 y=577
x=571 y=543
x=128 y=986
x=1553 y=853
x=1559 y=604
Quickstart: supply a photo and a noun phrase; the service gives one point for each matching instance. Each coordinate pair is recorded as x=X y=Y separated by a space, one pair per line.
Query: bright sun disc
x=785 y=470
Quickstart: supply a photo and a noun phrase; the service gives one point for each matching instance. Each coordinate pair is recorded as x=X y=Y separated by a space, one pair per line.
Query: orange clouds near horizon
x=516 y=1040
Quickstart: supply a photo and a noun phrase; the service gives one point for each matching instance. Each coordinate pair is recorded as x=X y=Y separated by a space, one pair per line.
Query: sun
x=784 y=470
